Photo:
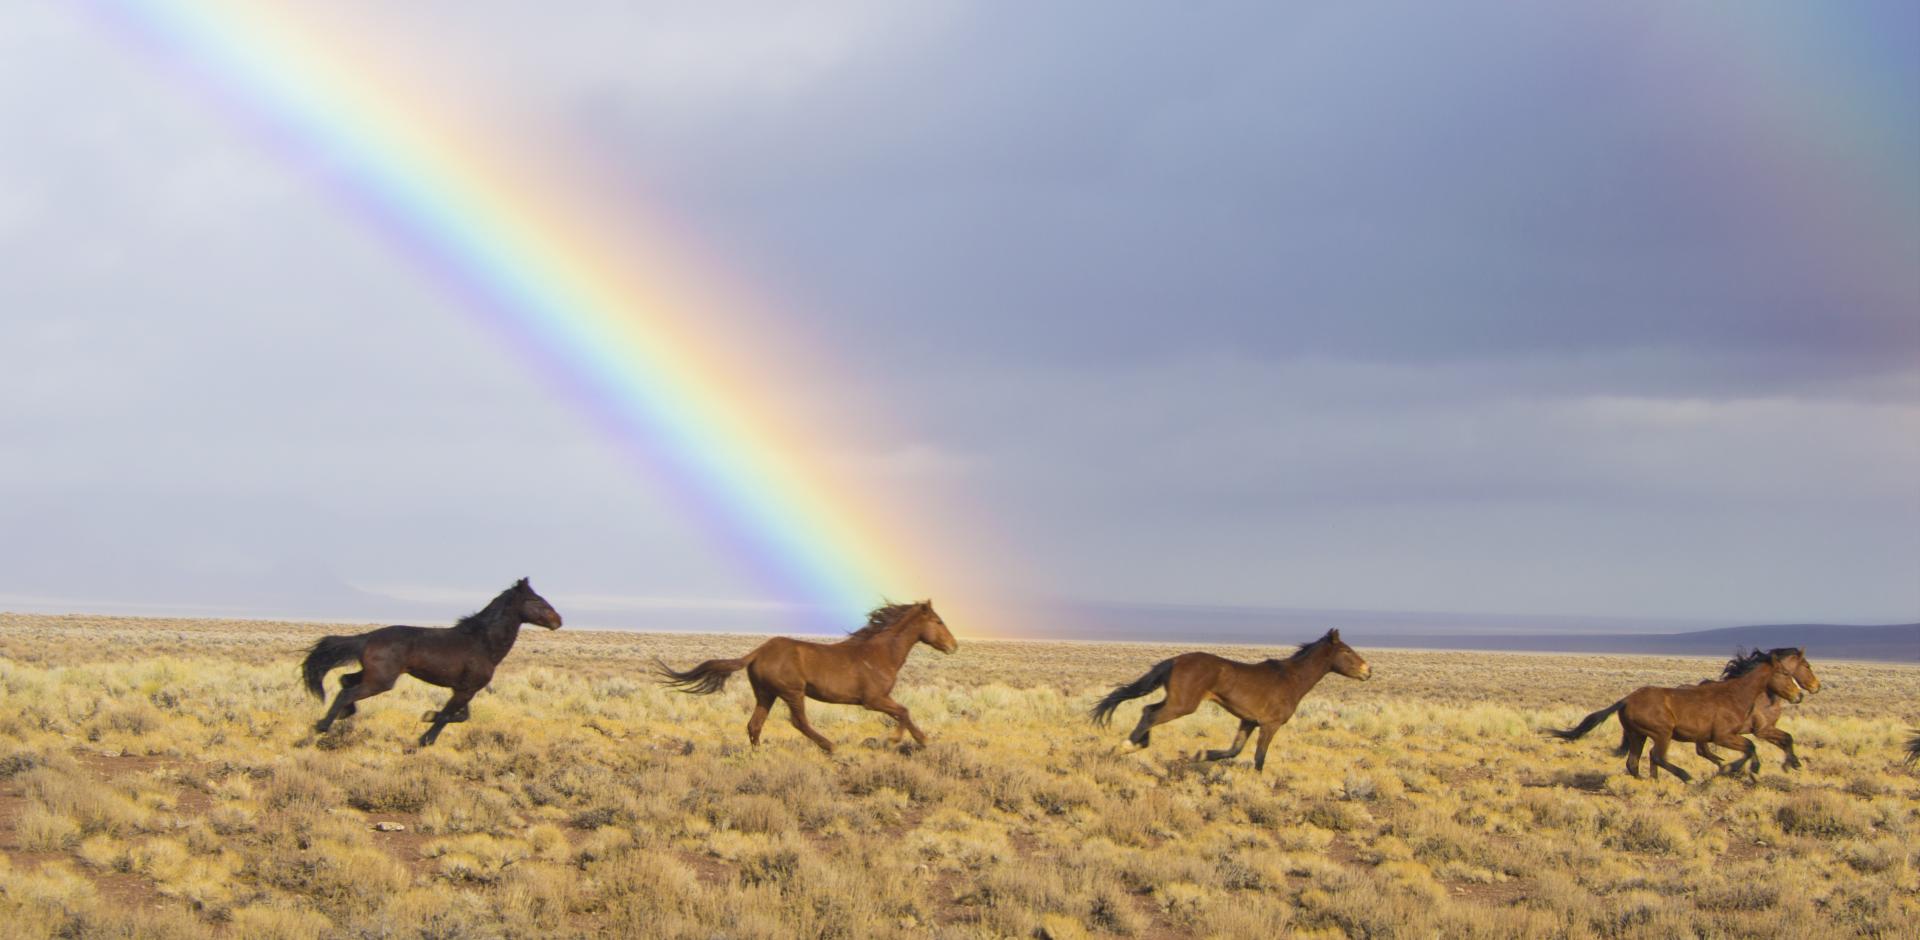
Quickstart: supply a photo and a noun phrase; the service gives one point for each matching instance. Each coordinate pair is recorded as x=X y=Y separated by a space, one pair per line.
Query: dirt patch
x=1343 y=852
x=710 y=870
x=110 y=766
x=406 y=846
x=1496 y=894
x=1742 y=850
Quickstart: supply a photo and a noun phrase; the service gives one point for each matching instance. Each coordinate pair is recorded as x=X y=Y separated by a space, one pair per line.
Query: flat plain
x=160 y=778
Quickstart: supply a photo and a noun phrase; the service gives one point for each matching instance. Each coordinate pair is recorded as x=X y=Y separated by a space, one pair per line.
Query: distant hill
x=1897 y=643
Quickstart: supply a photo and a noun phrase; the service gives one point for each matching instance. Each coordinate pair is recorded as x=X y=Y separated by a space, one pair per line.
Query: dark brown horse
x=1717 y=712
x=859 y=670
x=1766 y=713
x=1262 y=695
x=461 y=657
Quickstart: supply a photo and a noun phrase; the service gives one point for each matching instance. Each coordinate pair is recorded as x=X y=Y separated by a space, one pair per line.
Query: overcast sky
x=1577 y=313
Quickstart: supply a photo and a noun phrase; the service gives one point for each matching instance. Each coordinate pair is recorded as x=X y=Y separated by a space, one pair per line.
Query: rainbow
x=616 y=342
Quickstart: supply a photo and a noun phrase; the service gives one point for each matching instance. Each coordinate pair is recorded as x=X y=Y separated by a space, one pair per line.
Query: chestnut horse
x=1766 y=712
x=1262 y=695
x=859 y=670
x=461 y=657
x=1717 y=712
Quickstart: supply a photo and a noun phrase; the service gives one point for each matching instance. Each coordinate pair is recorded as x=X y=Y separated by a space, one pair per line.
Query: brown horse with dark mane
x=859 y=670
x=1262 y=695
x=461 y=657
x=1716 y=712
x=1766 y=712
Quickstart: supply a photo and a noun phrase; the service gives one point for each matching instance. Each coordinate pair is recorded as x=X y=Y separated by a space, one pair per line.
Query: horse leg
x=1239 y=742
x=901 y=718
x=1705 y=750
x=456 y=705
x=363 y=686
x=348 y=681
x=1660 y=742
x=762 y=703
x=1784 y=742
x=1260 y=749
x=797 y=713
x=1636 y=743
x=1749 y=752
x=1143 y=732
x=1159 y=713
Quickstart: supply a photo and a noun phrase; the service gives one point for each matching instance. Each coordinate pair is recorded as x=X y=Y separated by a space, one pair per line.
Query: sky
x=1468 y=313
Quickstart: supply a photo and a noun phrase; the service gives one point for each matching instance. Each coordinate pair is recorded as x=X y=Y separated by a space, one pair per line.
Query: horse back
x=840 y=673
x=1690 y=712
x=1258 y=690
x=399 y=635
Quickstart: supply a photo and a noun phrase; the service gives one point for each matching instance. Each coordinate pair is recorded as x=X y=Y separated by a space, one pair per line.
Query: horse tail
x=705 y=679
x=1154 y=679
x=1913 y=748
x=329 y=652
x=1589 y=723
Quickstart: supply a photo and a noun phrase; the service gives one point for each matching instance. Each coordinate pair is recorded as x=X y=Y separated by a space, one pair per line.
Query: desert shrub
x=1639 y=830
x=1821 y=814
x=38 y=829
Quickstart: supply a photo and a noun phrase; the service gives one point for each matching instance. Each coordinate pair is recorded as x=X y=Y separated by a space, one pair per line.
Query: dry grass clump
x=157 y=780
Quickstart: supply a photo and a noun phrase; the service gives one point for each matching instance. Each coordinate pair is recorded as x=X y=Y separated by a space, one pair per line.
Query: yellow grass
x=160 y=778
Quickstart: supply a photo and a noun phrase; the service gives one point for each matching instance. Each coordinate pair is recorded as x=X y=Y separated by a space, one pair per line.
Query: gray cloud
x=1460 y=308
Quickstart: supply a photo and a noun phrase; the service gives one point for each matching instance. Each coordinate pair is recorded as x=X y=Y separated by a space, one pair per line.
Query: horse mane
x=1306 y=649
x=485 y=616
x=1743 y=663
x=882 y=617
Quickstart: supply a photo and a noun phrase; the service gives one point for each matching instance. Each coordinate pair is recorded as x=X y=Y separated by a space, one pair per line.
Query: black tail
x=705 y=679
x=331 y=651
x=1589 y=723
x=1155 y=678
x=1913 y=748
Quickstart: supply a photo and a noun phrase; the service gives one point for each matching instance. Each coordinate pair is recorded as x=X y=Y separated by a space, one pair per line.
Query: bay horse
x=1716 y=712
x=859 y=670
x=1766 y=712
x=461 y=657
x=1262 y=695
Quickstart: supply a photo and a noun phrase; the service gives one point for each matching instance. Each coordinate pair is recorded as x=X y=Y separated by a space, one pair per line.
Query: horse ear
x=1333 y=635
x=522 y=583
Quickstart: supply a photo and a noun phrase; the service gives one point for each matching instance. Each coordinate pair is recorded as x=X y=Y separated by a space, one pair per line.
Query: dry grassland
x=160 y=779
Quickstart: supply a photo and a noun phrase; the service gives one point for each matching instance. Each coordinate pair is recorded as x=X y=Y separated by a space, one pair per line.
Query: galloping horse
x=1717 y=712
x=1262 y=695
x=461 y=657
x=1766 y=712
x=859 y=670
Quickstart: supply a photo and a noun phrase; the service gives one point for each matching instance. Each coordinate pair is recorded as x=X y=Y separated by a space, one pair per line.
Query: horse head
x=1345 y=661
x=530 y=607
x=1803 y=670
x=1781 y=682
x=933 y=630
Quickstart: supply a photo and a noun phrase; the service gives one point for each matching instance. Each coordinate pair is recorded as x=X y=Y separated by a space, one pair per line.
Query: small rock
x=384 y=826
